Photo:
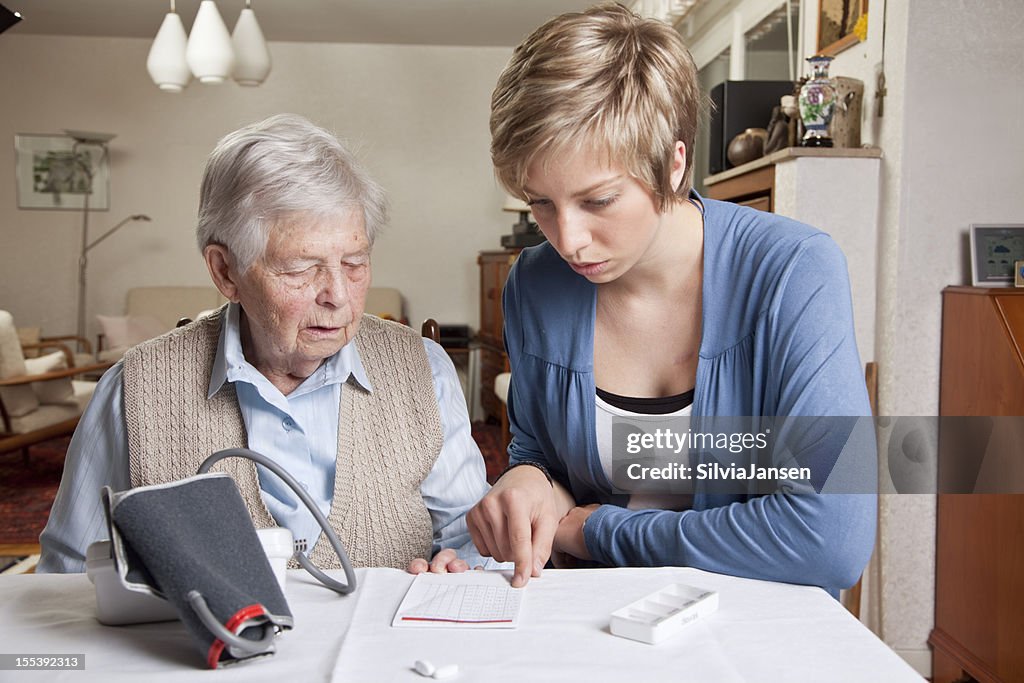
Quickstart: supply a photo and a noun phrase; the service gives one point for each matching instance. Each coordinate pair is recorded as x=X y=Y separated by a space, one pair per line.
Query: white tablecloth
x=762 y=631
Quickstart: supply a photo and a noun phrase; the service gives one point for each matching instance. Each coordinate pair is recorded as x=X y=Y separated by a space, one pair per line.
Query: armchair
x=501 y=387
x=39 y=400
x=79 y=355
x=78 y=349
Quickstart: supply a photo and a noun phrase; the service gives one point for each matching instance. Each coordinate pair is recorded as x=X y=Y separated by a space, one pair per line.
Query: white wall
x=766 y=65
x=417 y=114
x=805 y=189
x=952 y=149
x=961 y=164
x=952 y=146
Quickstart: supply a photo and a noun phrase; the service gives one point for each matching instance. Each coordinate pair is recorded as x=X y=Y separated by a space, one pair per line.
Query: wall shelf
x=795 y=153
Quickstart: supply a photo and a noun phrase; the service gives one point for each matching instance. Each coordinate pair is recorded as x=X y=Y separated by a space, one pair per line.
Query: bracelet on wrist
x=544 y=470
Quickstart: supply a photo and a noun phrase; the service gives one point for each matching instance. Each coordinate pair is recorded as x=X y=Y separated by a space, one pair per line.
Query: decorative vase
x=746 y=146
x=817 y=104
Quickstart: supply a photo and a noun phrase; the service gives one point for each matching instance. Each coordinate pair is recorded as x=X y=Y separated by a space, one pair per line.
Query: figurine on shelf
x=846 y=122
x=778 y=131
x=792 y=112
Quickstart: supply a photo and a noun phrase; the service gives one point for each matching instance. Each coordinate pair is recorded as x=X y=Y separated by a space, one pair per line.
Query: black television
x=738 y=105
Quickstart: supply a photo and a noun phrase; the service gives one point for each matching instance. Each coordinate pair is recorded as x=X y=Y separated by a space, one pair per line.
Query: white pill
x=446 y=671
x=424 y=668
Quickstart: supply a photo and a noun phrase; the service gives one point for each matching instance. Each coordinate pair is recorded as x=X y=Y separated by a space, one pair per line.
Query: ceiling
x=414 y=22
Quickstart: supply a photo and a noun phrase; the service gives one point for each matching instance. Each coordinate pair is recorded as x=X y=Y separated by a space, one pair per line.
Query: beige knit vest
x=388 y=439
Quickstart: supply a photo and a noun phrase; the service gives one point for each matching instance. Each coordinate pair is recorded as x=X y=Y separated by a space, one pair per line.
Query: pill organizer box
x=663 y=613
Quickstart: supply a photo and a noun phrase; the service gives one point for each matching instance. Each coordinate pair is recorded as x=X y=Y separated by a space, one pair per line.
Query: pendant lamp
x=166 y=61
x=209 y=53
x=252 y=58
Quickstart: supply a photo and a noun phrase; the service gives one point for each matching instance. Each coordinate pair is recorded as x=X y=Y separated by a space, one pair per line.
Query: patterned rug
x=27 y=491
x=488 y=437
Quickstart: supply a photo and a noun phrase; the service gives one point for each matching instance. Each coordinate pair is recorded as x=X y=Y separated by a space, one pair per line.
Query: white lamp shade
x=514 y=204
x=166 y=62
x=209 y=53
x=252 y=58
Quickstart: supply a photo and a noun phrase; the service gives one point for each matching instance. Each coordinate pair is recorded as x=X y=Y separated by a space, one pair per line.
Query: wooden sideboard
x=494 y=268
x=754 y=183
x=754 y=187
x=979 y=572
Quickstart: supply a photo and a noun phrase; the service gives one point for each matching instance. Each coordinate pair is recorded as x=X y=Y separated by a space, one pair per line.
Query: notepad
x=472 y=599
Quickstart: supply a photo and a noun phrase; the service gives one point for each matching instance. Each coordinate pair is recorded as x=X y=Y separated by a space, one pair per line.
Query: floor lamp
x=83 y=262
x=84 y=139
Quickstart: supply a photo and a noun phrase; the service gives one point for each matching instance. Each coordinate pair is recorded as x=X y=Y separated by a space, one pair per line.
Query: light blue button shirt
x=298 y=431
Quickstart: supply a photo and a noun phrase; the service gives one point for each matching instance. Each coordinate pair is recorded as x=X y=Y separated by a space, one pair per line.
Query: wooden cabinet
x=768 y=183
x=754 y=188
x=494 y=268
x=979 y=572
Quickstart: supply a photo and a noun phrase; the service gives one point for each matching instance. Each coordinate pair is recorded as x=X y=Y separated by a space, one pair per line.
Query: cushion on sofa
x=29 y=335
x=128 y=330
x=52 y=390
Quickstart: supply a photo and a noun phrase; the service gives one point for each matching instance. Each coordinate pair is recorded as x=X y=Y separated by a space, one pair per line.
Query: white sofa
x=150 y=311
x=171 y=304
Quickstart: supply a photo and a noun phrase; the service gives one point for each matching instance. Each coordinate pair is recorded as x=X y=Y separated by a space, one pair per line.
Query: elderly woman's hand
x=444 y=562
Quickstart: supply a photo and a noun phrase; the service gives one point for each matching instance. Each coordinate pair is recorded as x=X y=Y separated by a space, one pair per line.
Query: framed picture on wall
x=837 y=20
x=53 y=173
x=994 y=251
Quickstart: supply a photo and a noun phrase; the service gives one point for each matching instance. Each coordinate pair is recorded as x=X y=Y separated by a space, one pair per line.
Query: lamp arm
x=108 y=233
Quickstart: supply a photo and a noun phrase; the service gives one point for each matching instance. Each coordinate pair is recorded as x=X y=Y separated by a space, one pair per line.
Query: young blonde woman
x=647 y=299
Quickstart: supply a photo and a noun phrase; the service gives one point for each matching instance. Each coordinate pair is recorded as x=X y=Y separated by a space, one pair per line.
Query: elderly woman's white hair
x=279 y=166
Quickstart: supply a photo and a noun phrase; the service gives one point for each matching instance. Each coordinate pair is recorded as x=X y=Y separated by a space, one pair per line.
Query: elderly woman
x=649 y=301
x=367 y=415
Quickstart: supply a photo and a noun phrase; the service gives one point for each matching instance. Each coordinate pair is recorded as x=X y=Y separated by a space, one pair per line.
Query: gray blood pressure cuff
x=193 y=543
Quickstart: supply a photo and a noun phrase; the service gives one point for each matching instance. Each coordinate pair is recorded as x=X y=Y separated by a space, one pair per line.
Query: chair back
x=15 y=401
x=431 y=330
x=38 y=399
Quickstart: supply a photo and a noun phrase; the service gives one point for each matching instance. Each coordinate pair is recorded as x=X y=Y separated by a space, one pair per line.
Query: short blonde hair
x=604 y=79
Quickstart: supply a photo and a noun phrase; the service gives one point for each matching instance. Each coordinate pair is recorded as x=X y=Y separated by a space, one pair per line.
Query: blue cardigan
x=777 y=339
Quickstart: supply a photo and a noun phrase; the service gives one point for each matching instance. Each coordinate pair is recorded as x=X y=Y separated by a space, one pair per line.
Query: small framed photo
x=53 y=173
x=995 y=249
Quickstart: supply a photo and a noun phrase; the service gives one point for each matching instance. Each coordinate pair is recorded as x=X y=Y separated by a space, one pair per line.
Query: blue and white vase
x=817 y=104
